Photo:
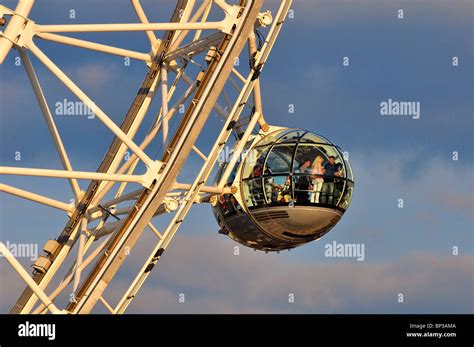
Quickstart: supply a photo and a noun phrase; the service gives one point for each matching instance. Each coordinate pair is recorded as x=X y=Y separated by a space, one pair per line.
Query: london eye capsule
x=291 y=187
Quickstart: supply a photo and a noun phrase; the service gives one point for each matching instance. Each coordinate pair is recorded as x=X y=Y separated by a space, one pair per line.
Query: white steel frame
x=159 y=193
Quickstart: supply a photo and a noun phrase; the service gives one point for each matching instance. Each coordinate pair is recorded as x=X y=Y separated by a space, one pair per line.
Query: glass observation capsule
x=290 y=188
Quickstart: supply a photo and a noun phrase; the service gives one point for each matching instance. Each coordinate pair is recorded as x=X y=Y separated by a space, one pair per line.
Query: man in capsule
x=303 y=182
x=331 y=170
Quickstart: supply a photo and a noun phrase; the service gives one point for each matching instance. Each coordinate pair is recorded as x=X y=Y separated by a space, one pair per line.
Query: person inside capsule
x=303 y=182
x=331 y=172
x=317 y=171
x=296 y=169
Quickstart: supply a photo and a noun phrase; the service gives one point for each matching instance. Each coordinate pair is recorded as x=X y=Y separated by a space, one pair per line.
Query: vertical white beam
x=80 y=254
x=257 y=101
x=238 y=151
x=164 y=102
x=257 y=94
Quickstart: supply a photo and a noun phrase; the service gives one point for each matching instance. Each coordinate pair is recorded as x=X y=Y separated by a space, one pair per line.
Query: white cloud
x=95 y=76
x=216 y=281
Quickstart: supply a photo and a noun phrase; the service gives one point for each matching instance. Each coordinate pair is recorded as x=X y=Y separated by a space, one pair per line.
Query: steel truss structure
x=97 y=217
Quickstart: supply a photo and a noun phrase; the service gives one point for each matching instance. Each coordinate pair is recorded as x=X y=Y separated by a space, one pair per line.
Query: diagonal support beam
x=257 y=94
x=204 y=17
x=28 y=280
x=131 y=163
x=143 y=18
x=53 y=130
x=67 y=280
x=182 y=34
x=71 y=41
x=80 y=255
x=155 y=231
x=36 y=198
x=92 y=106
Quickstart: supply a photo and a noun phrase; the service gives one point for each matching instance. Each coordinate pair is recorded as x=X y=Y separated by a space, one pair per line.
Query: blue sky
x=408 y=250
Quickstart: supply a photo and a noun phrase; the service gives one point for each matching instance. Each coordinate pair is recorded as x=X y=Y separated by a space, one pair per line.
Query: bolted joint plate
x=152 y=174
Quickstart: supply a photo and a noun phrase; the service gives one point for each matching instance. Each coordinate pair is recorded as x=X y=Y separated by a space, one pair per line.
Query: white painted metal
x=181 y=145
x=28 y=280
x=36 y=198
x=5 y=170
x=82 y=28
x=80 y=254
x=143 y=18
x=95 y=46
x=160 y=192
x=90 y=104
x=67 y=280
x=49 y=120
x=9 y=36
x=155 y=255
x=164 y=102
x=27 y=300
